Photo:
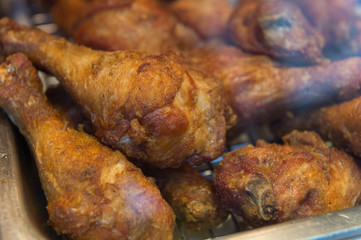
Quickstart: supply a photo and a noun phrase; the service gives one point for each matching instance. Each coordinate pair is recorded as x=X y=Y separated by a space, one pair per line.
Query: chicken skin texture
x=93 y=192
x=340 y=24
x=209 y=18
x=137 y=25
x=339 y=123
x=277 y=29
x=260 y=90
x=271 y=183
x=192 y=197
x=148 y=106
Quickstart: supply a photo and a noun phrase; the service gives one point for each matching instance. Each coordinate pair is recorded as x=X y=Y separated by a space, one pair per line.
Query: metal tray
x=23 y=214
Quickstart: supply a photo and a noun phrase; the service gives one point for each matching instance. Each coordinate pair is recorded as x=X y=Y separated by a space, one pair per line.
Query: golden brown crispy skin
x=272 y=183
x=192 y=197
x=148 y=106
x=139 y=25
x=339 y=21
x=92 y=191
x=339 y=123
x=277 y=29
x=209 y=18
x=259 y=90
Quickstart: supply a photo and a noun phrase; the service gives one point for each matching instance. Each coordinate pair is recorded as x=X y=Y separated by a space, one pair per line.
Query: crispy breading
x=148 y=106
x=270 y=183
x=277 y=29
x=137 y=25
x=93 y=192
x=192 y=197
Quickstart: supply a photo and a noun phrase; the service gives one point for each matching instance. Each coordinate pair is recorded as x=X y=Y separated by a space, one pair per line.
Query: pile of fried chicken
x=149 y=89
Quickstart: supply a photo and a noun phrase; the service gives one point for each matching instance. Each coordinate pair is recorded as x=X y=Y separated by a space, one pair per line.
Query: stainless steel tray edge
x=344 y=224
x=19 y=218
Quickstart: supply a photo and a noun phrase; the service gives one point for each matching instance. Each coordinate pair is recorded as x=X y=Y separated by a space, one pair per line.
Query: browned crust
x=126 y=93
x=192 y=197
x=272 y=183
x=92 y=191
x=277 y=29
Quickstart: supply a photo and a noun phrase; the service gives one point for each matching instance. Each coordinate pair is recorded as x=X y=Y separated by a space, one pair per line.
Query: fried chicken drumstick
x=272 y=183
x=192 y=197
x=339 y=123
x=259 y=90
x=148 y=106
x=277 y=29
x=137 y=25
x=92 y=191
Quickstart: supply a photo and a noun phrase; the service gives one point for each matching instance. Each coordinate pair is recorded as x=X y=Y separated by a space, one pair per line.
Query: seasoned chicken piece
x=139 y=25
x=339 y=123
x=272 y=183
x=259 y=90
x=338 y=20
x=278 y=29
x=148 y=106
x=192 y=197
x=209 y=18
x=92 y=191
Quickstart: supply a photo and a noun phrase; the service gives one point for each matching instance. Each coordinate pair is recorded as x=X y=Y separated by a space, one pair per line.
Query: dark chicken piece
x=92 y=191
x=272 y=183
x=139 y=25
x=209 y=18
x=192 y=197
x=338 y=20
x=259 y=90
x=148 y=106
x=277 y=29
x=339 y=123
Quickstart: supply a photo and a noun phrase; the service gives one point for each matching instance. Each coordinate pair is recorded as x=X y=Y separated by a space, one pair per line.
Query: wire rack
x=23 y=215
